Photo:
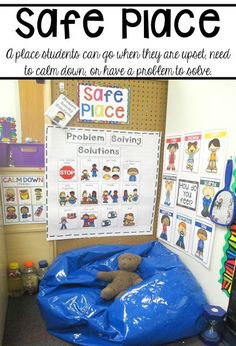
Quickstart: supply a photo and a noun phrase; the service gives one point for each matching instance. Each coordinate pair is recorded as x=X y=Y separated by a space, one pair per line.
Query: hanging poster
x=191 y=152
x=100 y=182
x=172 y=153
x=100 y=104
x=23 y=199
x=214 y=152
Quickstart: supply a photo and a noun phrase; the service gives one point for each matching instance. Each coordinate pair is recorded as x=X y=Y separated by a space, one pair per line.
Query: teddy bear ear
x=120 y=257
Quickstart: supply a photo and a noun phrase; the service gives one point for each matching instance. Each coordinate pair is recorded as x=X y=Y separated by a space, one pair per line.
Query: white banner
x=115 y=41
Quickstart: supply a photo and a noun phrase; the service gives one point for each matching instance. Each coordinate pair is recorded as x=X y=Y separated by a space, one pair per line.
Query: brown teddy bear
x=121 y=279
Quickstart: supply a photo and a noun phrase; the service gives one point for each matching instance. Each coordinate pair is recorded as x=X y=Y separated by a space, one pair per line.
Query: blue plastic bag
x=166 y=306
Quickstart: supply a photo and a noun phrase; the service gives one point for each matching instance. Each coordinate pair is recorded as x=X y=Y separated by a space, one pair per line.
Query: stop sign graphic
x=67 y=172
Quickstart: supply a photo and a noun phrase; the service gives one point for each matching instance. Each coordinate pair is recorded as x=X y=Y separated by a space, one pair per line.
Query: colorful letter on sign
x=103 y=104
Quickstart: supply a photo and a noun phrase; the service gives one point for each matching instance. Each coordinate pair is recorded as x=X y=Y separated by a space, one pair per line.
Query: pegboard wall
x=148 y=100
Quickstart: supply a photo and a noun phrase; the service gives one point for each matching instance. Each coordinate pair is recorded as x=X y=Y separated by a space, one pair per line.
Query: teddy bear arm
x=106 y=276
x=136 y=279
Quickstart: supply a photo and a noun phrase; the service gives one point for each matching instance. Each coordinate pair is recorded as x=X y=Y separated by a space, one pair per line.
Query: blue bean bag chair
x=166 y=306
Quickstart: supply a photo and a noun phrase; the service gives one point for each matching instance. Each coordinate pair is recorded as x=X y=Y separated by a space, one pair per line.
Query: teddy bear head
x=129 y=262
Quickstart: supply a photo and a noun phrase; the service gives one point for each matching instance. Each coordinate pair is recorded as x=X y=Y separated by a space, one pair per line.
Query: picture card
x=183 y=231
x=110 y=217
x=207 y=191
x=88 y=218
x=172 y=153
x=130 y=193
x=187 y=194
x=68 y=219
x=67 y=195
x=202 y=241
x=165 y=224
x=191 y=152
x=214 y=152
x=111 y=169
x=62 y=111
x=168 y=190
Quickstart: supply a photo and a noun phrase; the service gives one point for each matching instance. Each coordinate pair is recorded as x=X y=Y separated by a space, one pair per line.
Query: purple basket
x=26 y=155
x=4 y=155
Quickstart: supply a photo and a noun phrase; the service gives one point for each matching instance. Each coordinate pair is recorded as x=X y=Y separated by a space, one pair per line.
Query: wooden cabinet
x=32 y=109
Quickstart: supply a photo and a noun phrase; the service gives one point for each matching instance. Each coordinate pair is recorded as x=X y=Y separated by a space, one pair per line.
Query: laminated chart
x=23 y=199
x=100 y=182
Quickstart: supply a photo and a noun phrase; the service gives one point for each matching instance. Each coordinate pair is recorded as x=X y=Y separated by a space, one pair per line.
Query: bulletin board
x=148 y=100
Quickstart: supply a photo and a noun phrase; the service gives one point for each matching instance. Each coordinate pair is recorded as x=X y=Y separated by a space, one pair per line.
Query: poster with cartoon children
x=110 y=217
x=214 y=152
x=202 y=241
x=104 y=170
x=207 y=190
x=89 y=169
x=130 y=194
x=182 y=231
x=171 y=154
x=11 y=214
x=89 y=193
x=131 y=171
x=191 y=152
x=26 y=214
x=19 y=194
x=110 y=194
x=68 y=219
x=111 y=170
x=67 y=195
x=165 y=224
x=168 y=190
x=88 y=218
x=129 y=217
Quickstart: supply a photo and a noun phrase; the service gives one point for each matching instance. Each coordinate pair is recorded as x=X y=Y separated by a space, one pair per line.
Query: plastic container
x=26 y=155
x=29 y=278
x=4 y=157
x=43 y=267
x=15 y=286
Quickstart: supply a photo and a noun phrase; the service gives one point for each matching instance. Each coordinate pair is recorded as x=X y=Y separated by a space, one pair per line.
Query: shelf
x=21 y=169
